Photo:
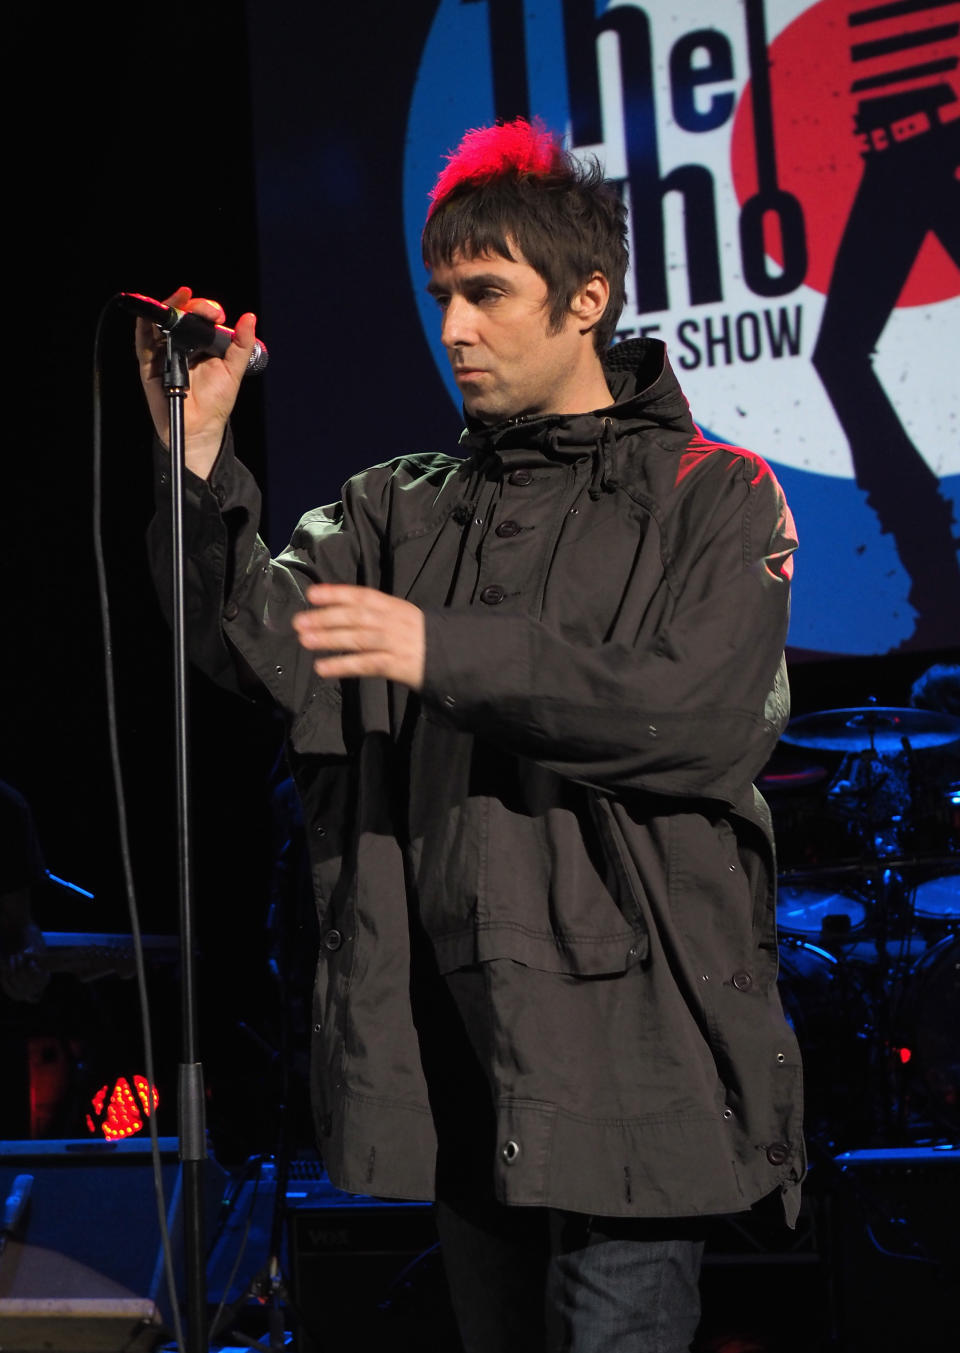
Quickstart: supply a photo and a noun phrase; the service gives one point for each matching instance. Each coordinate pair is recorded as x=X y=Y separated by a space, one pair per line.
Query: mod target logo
x=791 y=172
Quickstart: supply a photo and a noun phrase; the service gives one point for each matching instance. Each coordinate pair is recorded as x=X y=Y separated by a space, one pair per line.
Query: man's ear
x=590 y=301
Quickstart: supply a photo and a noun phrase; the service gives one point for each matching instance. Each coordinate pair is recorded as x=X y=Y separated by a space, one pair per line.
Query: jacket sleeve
x=240 y=604
x=693 y=706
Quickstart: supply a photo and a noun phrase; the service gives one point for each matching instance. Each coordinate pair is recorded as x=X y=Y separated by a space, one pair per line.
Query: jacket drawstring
x=603 y=479
x=466 y=507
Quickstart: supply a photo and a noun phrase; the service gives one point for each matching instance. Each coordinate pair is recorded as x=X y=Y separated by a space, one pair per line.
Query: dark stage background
x=256 y=154
x=149 y=171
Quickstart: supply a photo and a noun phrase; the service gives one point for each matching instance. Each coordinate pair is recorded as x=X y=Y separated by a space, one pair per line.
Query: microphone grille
x=258 y=358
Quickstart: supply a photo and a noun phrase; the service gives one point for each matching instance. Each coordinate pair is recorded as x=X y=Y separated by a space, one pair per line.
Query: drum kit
x=869 y=920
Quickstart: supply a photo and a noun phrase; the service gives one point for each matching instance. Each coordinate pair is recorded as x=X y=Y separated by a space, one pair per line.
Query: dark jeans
x=529 y=1280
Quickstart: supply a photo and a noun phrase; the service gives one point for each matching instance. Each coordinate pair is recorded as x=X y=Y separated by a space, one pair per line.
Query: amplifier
x=365 y=1272
x=897 y=1248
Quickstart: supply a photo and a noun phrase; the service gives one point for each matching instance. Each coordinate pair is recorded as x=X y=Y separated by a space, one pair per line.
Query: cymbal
x=883 y=729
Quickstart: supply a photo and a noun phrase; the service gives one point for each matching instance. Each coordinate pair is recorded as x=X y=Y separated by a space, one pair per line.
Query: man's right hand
x=214 y=381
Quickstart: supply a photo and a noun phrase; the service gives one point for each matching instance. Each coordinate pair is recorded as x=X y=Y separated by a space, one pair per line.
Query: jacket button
x=742 y=981
x=231 y=611
x=220 y=494
x=521 y=477
x=508 y=528
x=509 y=1151
x=333 y=939
x=492 y=595
x=778 y=1152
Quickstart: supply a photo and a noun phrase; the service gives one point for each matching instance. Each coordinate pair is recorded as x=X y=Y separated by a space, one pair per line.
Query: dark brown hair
x=568 y=222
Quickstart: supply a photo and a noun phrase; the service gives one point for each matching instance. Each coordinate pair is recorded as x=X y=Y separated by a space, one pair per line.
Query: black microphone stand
x=191 y=1114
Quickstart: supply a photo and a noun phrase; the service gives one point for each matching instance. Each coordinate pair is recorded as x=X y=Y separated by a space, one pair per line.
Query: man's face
x=496 y=333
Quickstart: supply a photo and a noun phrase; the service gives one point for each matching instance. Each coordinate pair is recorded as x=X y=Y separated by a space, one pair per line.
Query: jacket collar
x=646 y=395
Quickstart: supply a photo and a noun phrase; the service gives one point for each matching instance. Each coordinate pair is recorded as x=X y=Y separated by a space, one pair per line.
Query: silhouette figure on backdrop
x=908 y=129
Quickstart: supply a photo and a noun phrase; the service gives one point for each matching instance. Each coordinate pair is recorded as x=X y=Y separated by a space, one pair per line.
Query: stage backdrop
x=791 y=175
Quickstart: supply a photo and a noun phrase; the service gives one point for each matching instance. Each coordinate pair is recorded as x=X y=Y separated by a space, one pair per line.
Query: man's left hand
x=366 y=632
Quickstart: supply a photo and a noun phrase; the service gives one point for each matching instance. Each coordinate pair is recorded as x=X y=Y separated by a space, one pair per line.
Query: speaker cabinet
x=897 y=1249
x=85 y=1269
x=366 y=1274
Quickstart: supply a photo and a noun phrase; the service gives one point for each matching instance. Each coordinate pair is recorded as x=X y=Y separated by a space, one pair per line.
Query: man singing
x=527 y=690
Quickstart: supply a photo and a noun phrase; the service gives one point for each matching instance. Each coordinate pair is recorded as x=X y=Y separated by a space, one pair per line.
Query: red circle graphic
x=817 y=151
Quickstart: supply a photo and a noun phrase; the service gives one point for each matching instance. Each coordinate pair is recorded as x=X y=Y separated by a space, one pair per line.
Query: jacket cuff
x=204 y=499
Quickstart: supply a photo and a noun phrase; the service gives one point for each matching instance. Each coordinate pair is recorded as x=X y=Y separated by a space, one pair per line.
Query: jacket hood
x=647 y=398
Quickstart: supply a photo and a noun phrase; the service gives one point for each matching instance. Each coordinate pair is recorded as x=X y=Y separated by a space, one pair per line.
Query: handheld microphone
x=193 y=332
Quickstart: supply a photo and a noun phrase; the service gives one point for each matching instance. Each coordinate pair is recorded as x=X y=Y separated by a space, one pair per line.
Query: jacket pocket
x=558 y=896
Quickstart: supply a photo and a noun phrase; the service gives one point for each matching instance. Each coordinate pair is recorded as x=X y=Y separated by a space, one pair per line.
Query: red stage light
x=122 y=1114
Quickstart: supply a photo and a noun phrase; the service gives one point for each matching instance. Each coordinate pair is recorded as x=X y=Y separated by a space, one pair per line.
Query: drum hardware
x=793 y=789
x=870 y=957
x=872 y=793
x=853 y=955
x=814 y=909
x=832 y=1017
x=928 y=1024
x=880 y=790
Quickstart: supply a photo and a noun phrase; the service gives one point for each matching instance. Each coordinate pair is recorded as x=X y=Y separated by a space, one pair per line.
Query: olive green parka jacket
x=568 y=801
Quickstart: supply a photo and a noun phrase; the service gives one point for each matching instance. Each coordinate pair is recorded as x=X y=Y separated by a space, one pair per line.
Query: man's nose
x=458 y=327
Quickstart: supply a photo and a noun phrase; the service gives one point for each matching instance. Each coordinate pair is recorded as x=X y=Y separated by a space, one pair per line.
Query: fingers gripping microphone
x=193 y=333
